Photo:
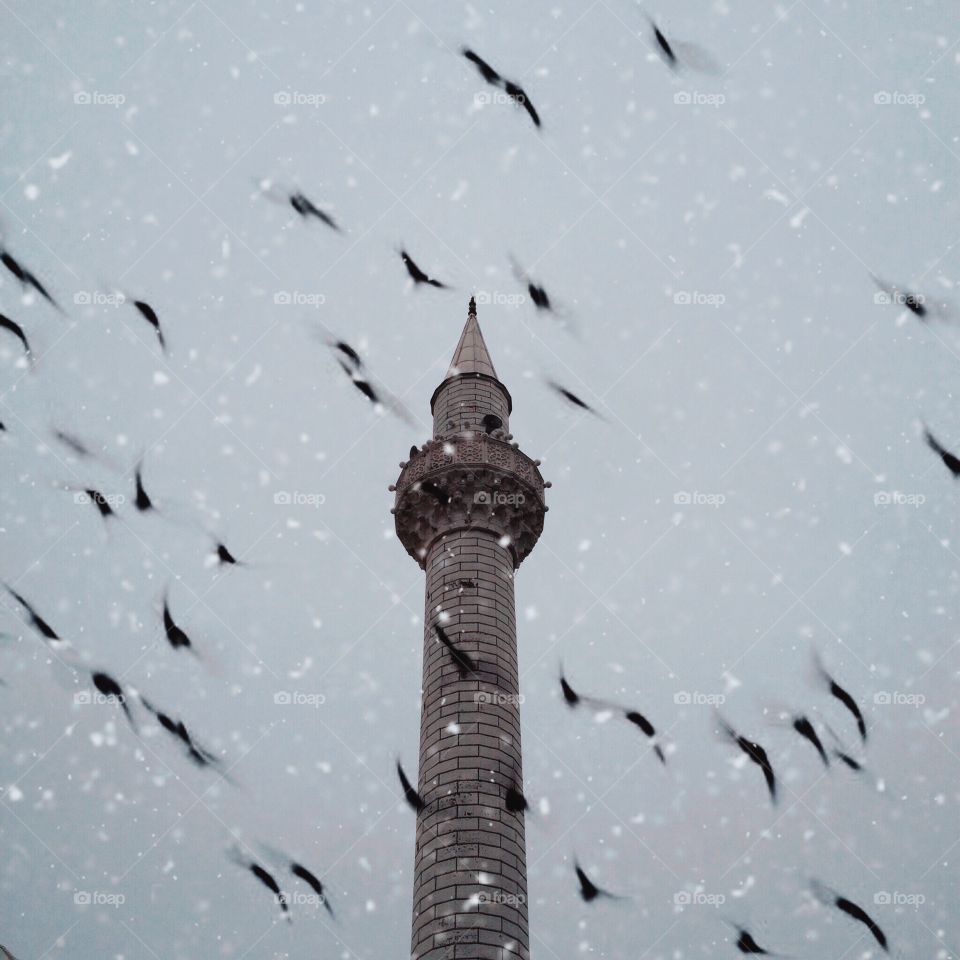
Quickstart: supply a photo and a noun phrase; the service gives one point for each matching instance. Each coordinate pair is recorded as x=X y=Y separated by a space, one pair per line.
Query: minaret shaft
x=469 y=508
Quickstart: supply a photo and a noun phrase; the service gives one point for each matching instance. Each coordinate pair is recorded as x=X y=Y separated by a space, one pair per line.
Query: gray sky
x=709 y=240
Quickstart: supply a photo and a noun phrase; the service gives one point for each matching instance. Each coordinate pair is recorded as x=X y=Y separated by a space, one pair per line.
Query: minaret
x=469 y=508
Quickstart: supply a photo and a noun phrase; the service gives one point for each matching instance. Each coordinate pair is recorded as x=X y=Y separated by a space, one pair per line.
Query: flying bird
x=177 y=729
x=434 y=490
x=572 y=398
x=265 y=877
x=225 y=557
x=754 y=752
x=175 y=636
x=589 y=891
x=515 y=801
x=417 y=275
x=519 y=96
x=302 y=873
x=805 y=728
x=832 y=899
x=142 y=500
x=150 y=315
x=77 y=446
x=26 y=278
x=844 y=697
x=570 y=696
x=666 y=51
x=538 y=294
x=109 y=687
x=914 y=302
x=484 y=68
x=950 y=461
x=13 y=327
x=411 y=795
x=491 y=422
x=349 y=353
x=36 y=621
x=638 y=719
x=306 y=208
x=746 y=944
x=465 y=663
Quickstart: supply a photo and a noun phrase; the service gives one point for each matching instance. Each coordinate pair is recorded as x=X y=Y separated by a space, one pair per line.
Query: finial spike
x=472 y=307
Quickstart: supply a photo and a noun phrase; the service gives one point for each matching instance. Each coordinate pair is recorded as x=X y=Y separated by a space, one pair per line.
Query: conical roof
x=471 y=355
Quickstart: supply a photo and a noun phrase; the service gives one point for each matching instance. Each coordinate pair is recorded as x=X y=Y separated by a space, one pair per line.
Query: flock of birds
x=131 y=701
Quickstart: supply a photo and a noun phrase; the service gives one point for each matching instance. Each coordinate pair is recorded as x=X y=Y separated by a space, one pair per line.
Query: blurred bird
x=843 y=696
x=417 y=275
x=142 y=500
x=589 y=891
x=515 y=801
x=13 y=327
x=26 y=278
x=747 y=945
x=109 y=687
x=570 y=695
x=951 y=462
x=538 y=294
x=754 y=752
x=666 y=51
x=175 y=636
x=520 y=97
x=914 y=302
x=225 y=557
x=302 y=873
x=678 y=54
x=77 y=446
x=265 y=877
x=150 y=315
x=484 y=68
x=833 y=899
x=491 y=422
x=7 y=955
x=465 y=663
x=306 y=208
x=176 y=728
x=805 y=728
x=36 y=621
x=411 y=795
x=349 y=353
x=638 y=719
x=572 y=398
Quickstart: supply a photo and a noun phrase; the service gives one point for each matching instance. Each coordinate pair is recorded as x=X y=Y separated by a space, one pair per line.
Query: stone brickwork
x=469 y=508
x=462 y=402
x=470 y=870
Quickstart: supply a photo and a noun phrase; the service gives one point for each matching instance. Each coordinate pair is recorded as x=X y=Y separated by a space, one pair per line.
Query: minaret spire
x=469 y=508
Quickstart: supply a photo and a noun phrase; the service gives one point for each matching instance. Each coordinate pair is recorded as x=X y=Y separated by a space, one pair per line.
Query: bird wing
x=858 y=913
